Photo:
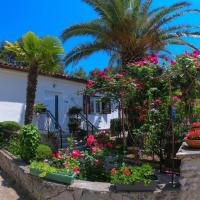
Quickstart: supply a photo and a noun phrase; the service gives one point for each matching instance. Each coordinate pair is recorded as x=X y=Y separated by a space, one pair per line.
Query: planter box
x=60 y=178
x=137 y=187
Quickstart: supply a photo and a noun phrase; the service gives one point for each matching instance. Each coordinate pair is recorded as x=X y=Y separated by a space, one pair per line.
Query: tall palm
x=40 y=54
x=130 y=29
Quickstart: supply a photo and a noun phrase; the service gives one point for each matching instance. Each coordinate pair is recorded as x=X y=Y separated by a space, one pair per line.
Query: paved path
x=9 y=191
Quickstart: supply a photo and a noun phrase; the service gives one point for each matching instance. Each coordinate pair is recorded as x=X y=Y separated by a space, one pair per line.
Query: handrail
x=94 y=128
x=57 y=125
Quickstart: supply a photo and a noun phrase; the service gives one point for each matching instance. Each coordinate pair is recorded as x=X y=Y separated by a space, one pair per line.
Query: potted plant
x=74 y=110
x=44 y=170
x=133 y=179
x=39 y=108
x=193 y=137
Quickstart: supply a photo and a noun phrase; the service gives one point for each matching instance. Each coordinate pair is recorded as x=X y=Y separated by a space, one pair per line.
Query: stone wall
x=190 y=173
x=80 y=190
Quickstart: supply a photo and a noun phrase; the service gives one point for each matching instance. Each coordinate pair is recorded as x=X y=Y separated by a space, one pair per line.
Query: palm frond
x=82 y=51
x=93 y=28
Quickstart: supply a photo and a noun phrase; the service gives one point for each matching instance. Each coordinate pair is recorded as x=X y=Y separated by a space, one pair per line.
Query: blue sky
x=51 y=17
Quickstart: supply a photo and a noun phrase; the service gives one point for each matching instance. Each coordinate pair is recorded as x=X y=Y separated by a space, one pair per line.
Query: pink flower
x=175 y=99
x=94 y=149
x=97 y=162
x=110 y=145
x=158 y=102
x=76 y=154
x=118 y=76
x=104 y=76
x=58 y=155
x=140 y=63
x=196 y=53
x=90 y=140
x=99 y=72
x=75 y=169
x=89 y=84
x=65 y=165
x=173 y=62
x=166 y=58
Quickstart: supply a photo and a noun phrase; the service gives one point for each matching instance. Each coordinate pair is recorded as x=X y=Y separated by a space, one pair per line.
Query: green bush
x=43 y=152
x=10 y=126
x=13 y=146
x=8 y=129
x=29 y=141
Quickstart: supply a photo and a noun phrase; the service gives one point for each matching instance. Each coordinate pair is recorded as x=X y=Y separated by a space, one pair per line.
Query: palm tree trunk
x=30 y=93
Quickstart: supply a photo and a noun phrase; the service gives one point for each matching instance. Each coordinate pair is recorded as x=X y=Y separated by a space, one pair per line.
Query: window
x=99 y=106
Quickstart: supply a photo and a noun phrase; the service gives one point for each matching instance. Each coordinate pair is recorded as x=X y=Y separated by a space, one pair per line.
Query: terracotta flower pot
x=195 y=144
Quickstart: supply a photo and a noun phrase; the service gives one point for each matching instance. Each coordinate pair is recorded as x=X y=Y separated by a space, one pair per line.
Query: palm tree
x=39 y=54
x=130 y=29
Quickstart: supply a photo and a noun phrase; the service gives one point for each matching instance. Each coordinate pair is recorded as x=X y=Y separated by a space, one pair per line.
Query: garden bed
x=80 y=190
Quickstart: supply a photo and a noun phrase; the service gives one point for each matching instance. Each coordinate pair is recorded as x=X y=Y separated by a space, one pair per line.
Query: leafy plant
x=29 y=141
x=43 y=152
x=14 y=146
x=39 y=108
x=44 y=168
x=130 y=175
x=73 y=125
x=8 y=129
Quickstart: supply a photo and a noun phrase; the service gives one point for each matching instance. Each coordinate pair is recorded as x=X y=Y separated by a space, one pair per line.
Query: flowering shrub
x=130 y=175
x=193 y=135
x=196 y=125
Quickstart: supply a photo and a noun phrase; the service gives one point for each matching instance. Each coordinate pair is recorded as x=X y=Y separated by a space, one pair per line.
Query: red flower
x=196 y=124
x=113 y=171
x=58 y=155
x=75 y=169
x=101 y=146
x=142 y=117
x=107 y=70
x=193 y=135
x=90 y=140
x=76 y=154
x=126 y=172
x=110 y=145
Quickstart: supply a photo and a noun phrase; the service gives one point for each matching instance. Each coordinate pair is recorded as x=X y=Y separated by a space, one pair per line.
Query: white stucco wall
x=13 y=96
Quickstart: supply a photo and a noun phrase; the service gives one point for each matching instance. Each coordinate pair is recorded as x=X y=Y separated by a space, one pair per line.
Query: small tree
x=39 y=54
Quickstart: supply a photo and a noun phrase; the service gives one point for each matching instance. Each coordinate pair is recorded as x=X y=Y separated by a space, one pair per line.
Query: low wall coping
x=186 y=152
x=80 y=190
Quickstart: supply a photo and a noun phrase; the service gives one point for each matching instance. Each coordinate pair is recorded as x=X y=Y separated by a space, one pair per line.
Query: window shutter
x=106 y=107
x=86 y=104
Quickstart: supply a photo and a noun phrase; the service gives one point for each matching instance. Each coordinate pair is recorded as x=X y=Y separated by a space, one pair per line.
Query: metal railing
x=93 y=128
x=49 y=124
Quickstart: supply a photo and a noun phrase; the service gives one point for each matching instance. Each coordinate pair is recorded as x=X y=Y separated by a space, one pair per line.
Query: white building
x=58 y=92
